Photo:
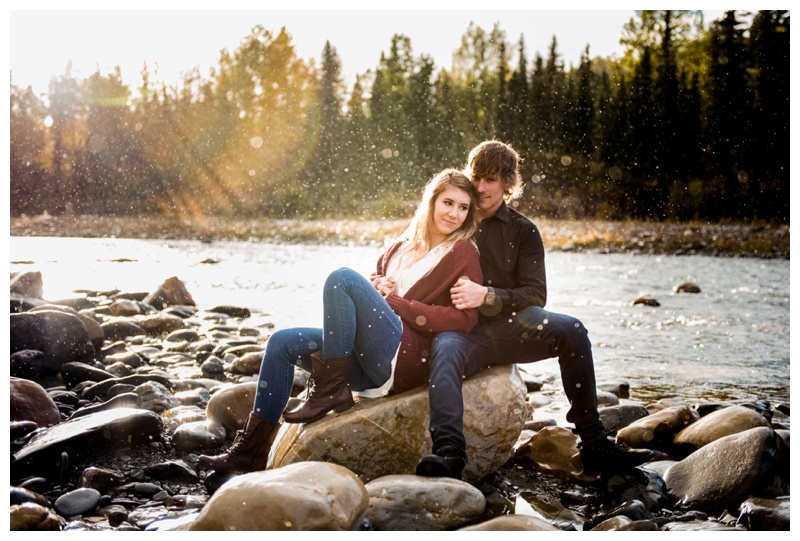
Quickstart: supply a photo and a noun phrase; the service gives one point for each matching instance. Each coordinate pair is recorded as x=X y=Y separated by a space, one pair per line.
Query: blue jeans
x=358 y=323
x=532 y=334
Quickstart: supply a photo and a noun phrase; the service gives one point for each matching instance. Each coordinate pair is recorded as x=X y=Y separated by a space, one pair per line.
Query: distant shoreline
x=694 y=238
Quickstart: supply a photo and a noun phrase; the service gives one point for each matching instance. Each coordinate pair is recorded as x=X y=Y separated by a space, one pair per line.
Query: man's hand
x=467 y=294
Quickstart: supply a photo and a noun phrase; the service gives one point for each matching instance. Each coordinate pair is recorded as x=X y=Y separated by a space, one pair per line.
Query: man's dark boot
x=605 y=455
x=448 y=461
x=250 y=448
x=327 y=390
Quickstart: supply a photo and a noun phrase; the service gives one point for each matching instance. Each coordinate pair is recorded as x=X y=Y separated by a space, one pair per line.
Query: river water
x=728 y=342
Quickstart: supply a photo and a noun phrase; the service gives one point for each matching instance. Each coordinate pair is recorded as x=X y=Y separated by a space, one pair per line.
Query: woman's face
x=449 y=212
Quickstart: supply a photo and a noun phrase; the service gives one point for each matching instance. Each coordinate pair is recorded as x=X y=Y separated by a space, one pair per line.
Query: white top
x=405 y=277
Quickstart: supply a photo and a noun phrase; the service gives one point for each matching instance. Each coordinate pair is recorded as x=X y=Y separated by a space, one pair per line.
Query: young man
x=514 y=327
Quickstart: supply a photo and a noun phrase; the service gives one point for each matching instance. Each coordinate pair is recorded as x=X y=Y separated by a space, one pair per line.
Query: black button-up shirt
x=512 y=260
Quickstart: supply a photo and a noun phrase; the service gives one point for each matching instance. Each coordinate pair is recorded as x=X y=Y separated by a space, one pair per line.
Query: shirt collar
x=501 y=214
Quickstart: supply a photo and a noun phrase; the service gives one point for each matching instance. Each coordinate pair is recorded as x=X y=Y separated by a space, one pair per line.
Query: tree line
x=690 y=123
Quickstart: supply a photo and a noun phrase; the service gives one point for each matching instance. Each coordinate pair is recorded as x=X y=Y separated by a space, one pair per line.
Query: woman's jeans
x=358 y=323
x=532 y=334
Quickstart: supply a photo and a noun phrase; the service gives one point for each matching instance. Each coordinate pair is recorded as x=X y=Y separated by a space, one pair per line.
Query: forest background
x=691 y=123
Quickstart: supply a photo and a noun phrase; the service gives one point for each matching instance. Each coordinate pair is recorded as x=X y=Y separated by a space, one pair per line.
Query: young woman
x=376 y=332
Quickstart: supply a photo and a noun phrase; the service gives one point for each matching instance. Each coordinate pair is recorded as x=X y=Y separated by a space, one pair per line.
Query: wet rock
x=389 y=435
x=33 y=517
x=20 y=495
x=720 y=423
x=646 y=300
x=74 y=373
x=552 y=450
x=123 y=400
x=686 y=287
x=213 y=366
x=410 y=502
x=96 y=335
x=620 y=416
x=231 y=405
x=606 y=399
x=183 y=335
x=232 y=311
x=298 y=497
x=77 y=502
x=248 y=364
x=612 y=524
x=172 y=470
x=171 y=292
x=126 y=308
x=659 y=429
x=511 y=523
x=60 y=336
x=117 y=428
x=28 y=284
x=101 y=388
x=100 y=479
x=198 y=435
x=154 y=396
x=116 y=514
x=638 y=484
x=30 y=402
x=158 y=324
x=120 y=328
x=724 y=472
x=28 y=364
x=622 y=389
x=766 y=514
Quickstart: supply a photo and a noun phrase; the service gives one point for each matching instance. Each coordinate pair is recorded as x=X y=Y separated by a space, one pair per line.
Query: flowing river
x=728 y=342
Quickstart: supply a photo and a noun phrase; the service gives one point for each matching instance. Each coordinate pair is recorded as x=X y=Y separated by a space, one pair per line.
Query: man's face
x=490 y=194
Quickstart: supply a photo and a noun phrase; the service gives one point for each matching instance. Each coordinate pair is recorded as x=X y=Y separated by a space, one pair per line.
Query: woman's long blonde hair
x=418 y=232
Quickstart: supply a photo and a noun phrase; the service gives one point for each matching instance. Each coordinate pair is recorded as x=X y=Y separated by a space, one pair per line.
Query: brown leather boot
x=327 y=390
x=250 y=448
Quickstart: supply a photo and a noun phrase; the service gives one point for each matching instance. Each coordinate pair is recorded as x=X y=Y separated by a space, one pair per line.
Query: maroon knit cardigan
x=426 y=309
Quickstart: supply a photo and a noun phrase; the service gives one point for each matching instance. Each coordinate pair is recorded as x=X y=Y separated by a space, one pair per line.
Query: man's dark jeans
x=532 y=334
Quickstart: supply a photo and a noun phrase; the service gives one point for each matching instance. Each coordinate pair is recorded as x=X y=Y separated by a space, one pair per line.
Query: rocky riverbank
x=114 y=395
x=731 y=240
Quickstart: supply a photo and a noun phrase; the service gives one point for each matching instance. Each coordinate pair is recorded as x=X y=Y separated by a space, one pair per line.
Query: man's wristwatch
x=490 y=297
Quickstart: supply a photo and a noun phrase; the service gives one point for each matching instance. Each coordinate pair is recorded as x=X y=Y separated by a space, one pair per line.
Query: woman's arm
x=428 y=307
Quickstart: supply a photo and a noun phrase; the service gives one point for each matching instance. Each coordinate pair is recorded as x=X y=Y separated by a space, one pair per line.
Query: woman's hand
x=384 y=284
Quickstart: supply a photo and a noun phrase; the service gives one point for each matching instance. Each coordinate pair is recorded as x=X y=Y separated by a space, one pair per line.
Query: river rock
x=28 y=364
x=161 y=323
x=171 y=292
x=60 y=336
x=766 y=514
x=175 y=470
x=121 y=328
x=28 y=284
x=232 y=311
x=413 y=503
x=231 y=405
x=30 y=402
x=657 y=430
x=116 y=428
x=687 y=287
x=718 y=424
x=96 y=335
x=155 y=397
x=248 y=364
x=512 y=523
x=299 y=497
x=74 y=373
x=126 y=308
x=646 y=300
x=100 y=479
x=198 y=435
x=622 y=415
x=724 y=472
x=389 y=435
x=552 y=450
x=77 y=502
x=34 y=517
